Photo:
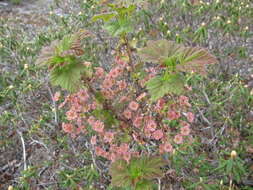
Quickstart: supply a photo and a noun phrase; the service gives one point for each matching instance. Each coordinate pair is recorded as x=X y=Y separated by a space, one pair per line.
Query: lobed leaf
x=186 y=59
x=158 y=86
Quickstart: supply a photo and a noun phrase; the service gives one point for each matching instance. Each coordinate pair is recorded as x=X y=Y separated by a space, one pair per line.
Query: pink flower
x=123 y=99
x=178 y=139
x=190 y=117
x=100 y=152
x=122 y=84
x=183 y=100
x=137 y=121
x=172 y=115
x=67 y=127
x=108 y=83
x=83 y=95
x=158 y=134
x=151 y=126
x=57 y=96
x=99 y=72
x=98 y=126
x=166 y=147
x=93 y=140
x=71 y=115
x=108 y=93
x=133 y=105
x=108 y=137
x=185 y=130
x=114 y=73
x=128 y=114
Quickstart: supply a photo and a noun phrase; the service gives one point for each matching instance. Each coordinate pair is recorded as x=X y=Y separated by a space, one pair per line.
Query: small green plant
x=119 y=22
x=138 y=173
x=16 y=2
x=79 y=178
x=64 y=62
x=232 y=167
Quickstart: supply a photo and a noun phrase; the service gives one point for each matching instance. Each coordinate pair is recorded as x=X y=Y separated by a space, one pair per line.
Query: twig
x=54 y=104
x=206 y=97
x=159 y=183
x=220 y=132
x=24 y=151
x=40 y=143
x=204 y=118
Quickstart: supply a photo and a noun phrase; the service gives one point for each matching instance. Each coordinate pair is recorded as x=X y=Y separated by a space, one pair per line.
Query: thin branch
x=24 y=150
x=159 y=184
x=54 y=104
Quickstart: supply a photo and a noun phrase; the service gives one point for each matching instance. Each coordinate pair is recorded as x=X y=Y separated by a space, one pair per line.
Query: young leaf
x=195 y=59
x=187 y=59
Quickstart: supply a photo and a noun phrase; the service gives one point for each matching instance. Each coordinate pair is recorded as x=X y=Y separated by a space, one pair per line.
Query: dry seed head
x=26 y=66
x=203 y=24
x=11 y=87
x=246 y=27
x=233 y=154
x=10 y=187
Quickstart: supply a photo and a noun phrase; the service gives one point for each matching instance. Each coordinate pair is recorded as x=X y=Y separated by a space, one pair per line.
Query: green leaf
x=105 y=17
x=157 y=51
x=158 y=87
x=68 y=76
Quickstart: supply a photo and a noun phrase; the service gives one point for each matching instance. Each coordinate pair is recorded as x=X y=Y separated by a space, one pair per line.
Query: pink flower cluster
x=138 y=121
